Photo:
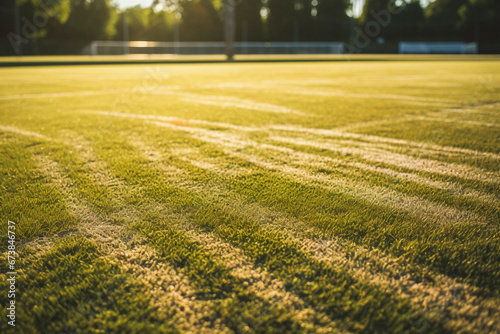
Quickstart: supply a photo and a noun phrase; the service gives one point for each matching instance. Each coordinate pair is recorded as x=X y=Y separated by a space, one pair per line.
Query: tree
x=88 y=20
x=442 y=19
x=136 y=21
x=395 y=22
x=306 y=20
x=408 y=23
x=478 y=20
x=248 y=21
x=331 y=20
x=280 y=22
x=200 y=21
x=160 y=26
x=371 y=6
x=25 y=21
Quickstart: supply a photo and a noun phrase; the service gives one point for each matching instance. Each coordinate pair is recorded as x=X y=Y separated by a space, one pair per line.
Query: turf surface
x=358 y=197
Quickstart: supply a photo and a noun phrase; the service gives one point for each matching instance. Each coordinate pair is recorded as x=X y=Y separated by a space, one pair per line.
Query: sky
x=132 y=3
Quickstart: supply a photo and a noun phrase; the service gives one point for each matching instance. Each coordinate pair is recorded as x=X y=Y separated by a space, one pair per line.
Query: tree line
x=70 y=24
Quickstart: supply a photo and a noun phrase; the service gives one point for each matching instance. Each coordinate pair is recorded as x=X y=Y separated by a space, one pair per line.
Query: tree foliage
x=78 y=26
x=256 y=20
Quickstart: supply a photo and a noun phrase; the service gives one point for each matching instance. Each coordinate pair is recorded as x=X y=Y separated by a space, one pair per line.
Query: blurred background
x=51 y=27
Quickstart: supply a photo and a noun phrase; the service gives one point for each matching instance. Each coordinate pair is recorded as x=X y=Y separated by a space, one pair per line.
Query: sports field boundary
x=28 y=61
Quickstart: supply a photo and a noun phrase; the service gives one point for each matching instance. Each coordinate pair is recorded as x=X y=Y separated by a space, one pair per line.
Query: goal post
x=213 y=48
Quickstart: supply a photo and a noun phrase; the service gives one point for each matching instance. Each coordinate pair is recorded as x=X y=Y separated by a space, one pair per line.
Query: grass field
x=353 y=197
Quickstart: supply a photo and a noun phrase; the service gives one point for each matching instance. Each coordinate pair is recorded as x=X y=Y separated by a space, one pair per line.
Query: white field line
x=347 y=167
x=90 y=159
x=263 y=85
x=434 y=116
x=63 y=94
x=175 y=120
x=170 y=289
x=228 y=102
x=400 y=160
x=385 y=140
x=415 y=100
x=366 y=139
x=455 y=121
x=374 y=194
x=418 y=207
x=460 y=304
x=210 y=164
x=406 y=150
x=23 y=132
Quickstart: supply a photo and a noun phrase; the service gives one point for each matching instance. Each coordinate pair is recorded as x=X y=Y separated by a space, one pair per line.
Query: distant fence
x=437 y=48
x=213 y=48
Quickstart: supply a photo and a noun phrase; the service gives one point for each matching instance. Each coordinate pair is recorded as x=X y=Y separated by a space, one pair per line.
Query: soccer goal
x=213 y=48
x=437 y=48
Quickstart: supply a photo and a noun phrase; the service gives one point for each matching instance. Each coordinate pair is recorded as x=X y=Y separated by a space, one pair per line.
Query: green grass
x=26 y=199
x=71 y=288
x=287 y=197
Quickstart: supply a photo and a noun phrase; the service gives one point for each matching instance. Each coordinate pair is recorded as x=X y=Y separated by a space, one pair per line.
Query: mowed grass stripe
x=79 y=305
x=447 y=186
x=475 y=201
x=240 y=308
x=466 y=204
x=448 y=181
x=464 y=229
x=482 y=160
x=211 y=322
x=464 y=250
x=97 y=194
x=63 y=94
x=355 y=138
x=483 y=191
x=207 y=242
x=249 y=236
x=168 y=289
x=235 y=145
x=170 y=293
x=224 y=101
x=254 y=280
x=400 y=160
x=231 y=184
x=370 y=138
x=25 y=196
x=453 y=302
x=72 y=286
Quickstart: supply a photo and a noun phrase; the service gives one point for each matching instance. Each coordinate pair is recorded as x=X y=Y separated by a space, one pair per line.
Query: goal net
x=213 y=48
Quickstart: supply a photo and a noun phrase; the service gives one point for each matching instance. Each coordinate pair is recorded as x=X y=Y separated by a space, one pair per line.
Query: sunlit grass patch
x=290 y=197
x=71 y=287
